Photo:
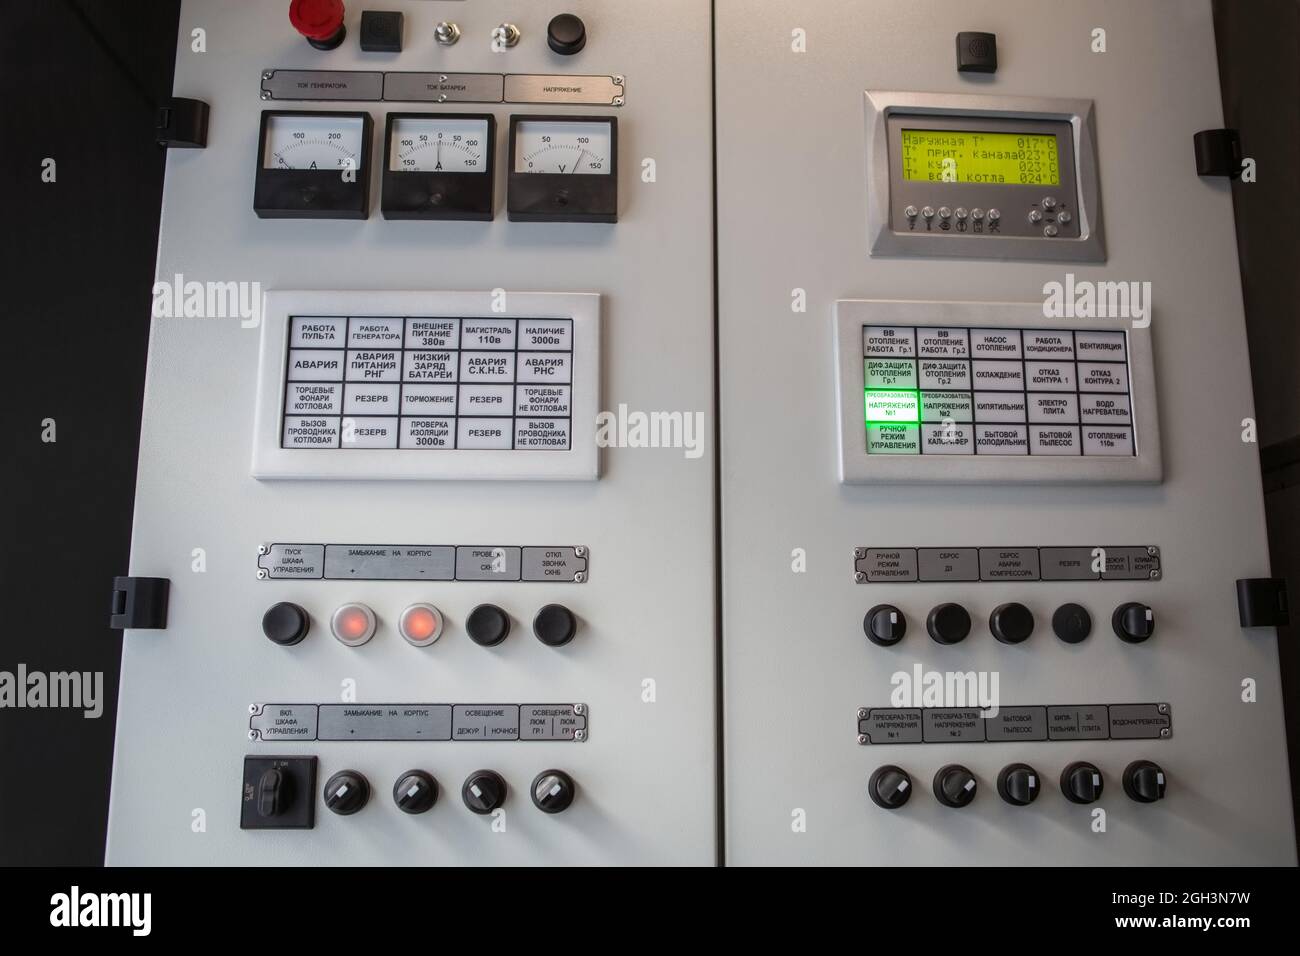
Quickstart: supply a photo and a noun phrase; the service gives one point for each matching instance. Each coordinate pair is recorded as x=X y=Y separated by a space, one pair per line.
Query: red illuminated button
x=320 y=21
x=353 y=624
x=421 y=624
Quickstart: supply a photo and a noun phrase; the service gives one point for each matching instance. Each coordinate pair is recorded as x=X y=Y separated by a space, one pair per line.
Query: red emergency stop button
x=320 y=21
x=420 y=624
x=353 y=624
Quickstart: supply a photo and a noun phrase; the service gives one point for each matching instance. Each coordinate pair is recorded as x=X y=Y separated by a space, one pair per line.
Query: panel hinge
x=182 y=123
x=139 y=603
x=1261 y=602
x=1218 y=152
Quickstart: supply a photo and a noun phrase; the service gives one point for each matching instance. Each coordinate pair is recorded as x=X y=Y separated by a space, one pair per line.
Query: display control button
x=961 y=213
x=995 y=215
x=1064 y=217
x=927 y=212
x=487 y=625
x=285 y=623
x=1035 y=216
x=910 y=212
x=977 y=214
x=353 y=624
x=945 y=212
x=420 y=624
x=1050 y=231
x=1049 y=202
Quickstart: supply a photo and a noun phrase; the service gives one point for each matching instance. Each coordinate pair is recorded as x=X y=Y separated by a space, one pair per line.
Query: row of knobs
x=354 y=624
x=1010 y=623
x=416 y=791
x=1018 y=784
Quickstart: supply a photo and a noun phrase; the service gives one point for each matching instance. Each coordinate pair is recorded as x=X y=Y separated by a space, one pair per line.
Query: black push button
x=487 y=625
x=285 y=623
x=948 y=623
x=1011 y=623
x=555 y=625
x=1072 y=623
x=977 y=52
x=566 y=34
x=381 y=31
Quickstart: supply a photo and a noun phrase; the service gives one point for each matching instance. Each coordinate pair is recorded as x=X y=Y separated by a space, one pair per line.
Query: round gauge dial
x=313 y=142
x=546 y=146
x=439 y=145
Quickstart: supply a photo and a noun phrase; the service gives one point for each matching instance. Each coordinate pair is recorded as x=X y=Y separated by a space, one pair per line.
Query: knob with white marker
x=347 y=792
x=553 y=791
x=484 y=791
x=1081 y=782
x=1019 y=784
x=954 y=786
x=415 y=791
x=1144 y=781
x=890 y=787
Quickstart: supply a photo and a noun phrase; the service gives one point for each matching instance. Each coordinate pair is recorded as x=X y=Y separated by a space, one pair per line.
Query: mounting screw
x=446 y=33
x=618 y=79
x=252 y=709
x=262 y=549
x=1152 y=550
x=863 y=713
x=1155 y=574
x=261 y=574
x=859 y=553
x=1164 y=731
x=862 y=739
x=579 y=577
x=859 y=576
x=266 y=94
x=579 y=709
x=579 y=735
x=580 y=551
x=1162 y=708
x=252 y=735
x=267 y=74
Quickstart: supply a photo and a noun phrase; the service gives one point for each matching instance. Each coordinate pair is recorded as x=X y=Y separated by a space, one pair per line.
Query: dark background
x=81 y=79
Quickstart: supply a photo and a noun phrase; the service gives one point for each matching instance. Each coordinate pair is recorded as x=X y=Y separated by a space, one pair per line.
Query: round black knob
x=347 y=792
x=954 y=785
x=890 y=787
x=948 y=623
x=555 y=625
x=553 y=791
x=1072 y=623
x=1019 y=784
x=285 y=623
x=483 y=791
x=1133 y=623
x=1144 y=781
x=1011 y=623
x=885 y=625
x=488 y=625
x=415 y=791
x=566 y=34
x=1081 y=782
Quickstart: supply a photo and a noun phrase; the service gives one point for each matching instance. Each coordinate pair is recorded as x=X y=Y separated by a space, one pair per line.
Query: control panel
x=985 y=495
x=407 y=624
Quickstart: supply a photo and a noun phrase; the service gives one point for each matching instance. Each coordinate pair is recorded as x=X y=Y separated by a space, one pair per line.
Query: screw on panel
x=254 y=708
x=579 y=735
x=263 y=548
x=859 y=553
x=859 y=576
x=1155 y=574
x=252 y=735
x=1164 y=732
x=267 y=74
x=579 y=709
x=1152 y=550
x=863 y=713
x=580 y=576
x=261 y=574
x=580 y=551
x=617 y=101
x=1162 y=708
x=266 y=94
x=618 y=79
x=862 y=739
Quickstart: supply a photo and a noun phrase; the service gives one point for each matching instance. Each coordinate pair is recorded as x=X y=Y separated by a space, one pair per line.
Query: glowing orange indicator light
x=421 y=624
x=353 y=624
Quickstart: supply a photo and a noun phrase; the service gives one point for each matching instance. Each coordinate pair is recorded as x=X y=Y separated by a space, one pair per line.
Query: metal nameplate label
x=422 y=562
x=322 y=85
x=438 y=87
x=550 y=88
x=960 y=725
x=1068 y=563
x=435 y=722
x=443 y=87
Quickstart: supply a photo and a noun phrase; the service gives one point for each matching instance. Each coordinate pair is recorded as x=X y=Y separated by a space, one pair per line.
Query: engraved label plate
x=884 y=725
x=1140 y=721
x=951 y=725
x=322 y=85
x=385 y=722
x=1067 y=564
x=487 y=563
x=443 y=87
x=367 y=562
x=949 y=564
x=1017 y=723
x=1078 y=722
x=553 y=564
x=293 y=561
x=551 y=722
x=888 y=564
x=961 y=725
x=485 y=722
x=1131 y=564
x=547 y=88
x=1008 y=564
x=283 y=722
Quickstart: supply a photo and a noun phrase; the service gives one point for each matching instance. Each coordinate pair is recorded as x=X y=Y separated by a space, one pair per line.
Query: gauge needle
x=578 y=161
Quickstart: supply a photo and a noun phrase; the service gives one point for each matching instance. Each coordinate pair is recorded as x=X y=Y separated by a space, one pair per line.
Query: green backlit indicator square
x=893 y=407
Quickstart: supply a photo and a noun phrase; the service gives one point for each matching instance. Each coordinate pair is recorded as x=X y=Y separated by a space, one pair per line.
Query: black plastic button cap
x=1019 y=784
x=553 y=791
x=977 y=52
x=347 y=792
x=890 y=787
x=1011 y=623
x=487 y=625
x=1144 y=781
x=1133 y=623
x=566 y=34
x=948 y=623
x=555 y=625
x=381 y=31
x=483 y=791
x=954 y=786
x=885 y=625
x=415 y=791
x=273 y=793
x=1072 y=623
x=1081 y=782
x=285 y=623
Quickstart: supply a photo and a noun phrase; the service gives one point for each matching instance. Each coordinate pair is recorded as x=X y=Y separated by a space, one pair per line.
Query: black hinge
x=1261 y=602
x=1218 y=152
x=139 y=603
x=182 y=123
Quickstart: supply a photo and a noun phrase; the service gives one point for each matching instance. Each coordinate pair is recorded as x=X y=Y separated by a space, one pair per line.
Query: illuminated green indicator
x=893 y=406
x=978 y=156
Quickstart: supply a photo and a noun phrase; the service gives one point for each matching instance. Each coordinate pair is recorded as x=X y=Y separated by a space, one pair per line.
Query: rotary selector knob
x=347 y=792
x=553 y=791
x=890 y=787
x=1144 y=781
x=1133 y=623
x=948 y=623
x=487 y=625
x=1081 y=782
x=555 y=625
x=285 y=623
x=415 y=791
x=1072 y=623
x=954 y=786
x=884 y=625
x=484 y=791
x=1019 y=784
x=566 y=34
x=1011 y=623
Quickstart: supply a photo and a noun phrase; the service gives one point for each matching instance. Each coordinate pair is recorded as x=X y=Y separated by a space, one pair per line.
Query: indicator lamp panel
x=563 y=169
x=439 y=166
x=313 y=165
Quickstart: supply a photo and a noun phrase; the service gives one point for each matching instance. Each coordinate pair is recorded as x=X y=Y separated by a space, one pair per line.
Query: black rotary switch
x=555 y=625
x=566 y=34
x=890 y=787
x=1011 y=623
x=487 y=625
x=1133 y=623
x=948 y=623
x=415 y=792
x=484 y=791
x=1144 y=781
x=885 y=625
x=954 y=786
x=553 y=791
x=1072 y=623
x=1081 y=782
x=285 y=623
x=347 y=792
x=1019 y=784
x=274 y=793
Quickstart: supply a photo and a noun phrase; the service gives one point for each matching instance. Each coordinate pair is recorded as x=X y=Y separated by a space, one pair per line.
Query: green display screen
x=971 y=156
